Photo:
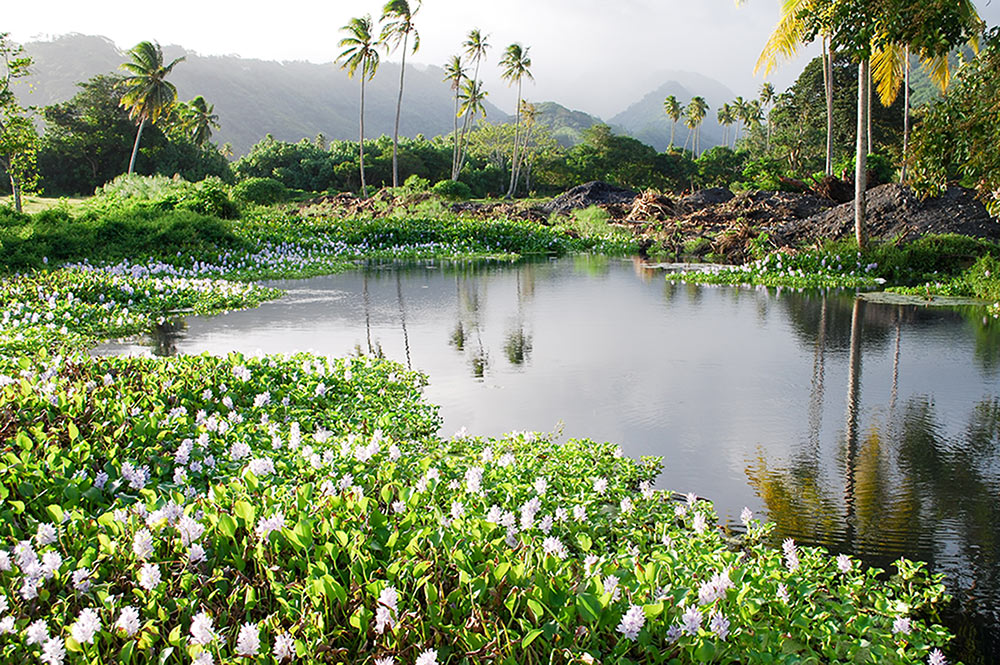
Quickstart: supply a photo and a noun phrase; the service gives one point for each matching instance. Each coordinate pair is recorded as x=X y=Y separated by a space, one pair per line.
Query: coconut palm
x=697 y=109
x=454 y=76
x=361 y=49
x=472 y=97
x=766 y=100
x=673 y=109
x=395 y=32
x=515 y=68
x=475 y=46
x=200 y=119
x=148 y=94
x=739 y=110
x=726 y=116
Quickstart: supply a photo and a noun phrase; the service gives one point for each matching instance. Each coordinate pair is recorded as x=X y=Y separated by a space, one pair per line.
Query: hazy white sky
x=594 y=55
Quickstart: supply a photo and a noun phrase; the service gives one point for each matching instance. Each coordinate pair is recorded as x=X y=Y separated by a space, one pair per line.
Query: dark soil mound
x=589 y=194
x=706 y=197
x=893 y=211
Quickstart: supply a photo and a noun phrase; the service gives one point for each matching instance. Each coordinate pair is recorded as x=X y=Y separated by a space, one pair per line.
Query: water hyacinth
x=632 y=622
x=248 y=641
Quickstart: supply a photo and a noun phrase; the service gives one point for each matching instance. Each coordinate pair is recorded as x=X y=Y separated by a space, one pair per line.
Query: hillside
x=646 y=121
x=253 y=98
x=565 y=124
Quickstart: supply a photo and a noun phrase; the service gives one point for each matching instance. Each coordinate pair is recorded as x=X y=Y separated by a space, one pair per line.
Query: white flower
x=81 y=580
x=698 y=523
x=580 y=513
x=190 y=529
x=248 y=642
x=196 y=553
x=51 y=561
x=457 y=509
x=201 y=629
x=142 y=544
x=429 y=657
x=149 y=576
x=782 y=592
x=545 y=524
x=204 y=658
x=540 y=485
x=632 y=622
x=86 y=626
x=37 y=632
x=554 y=546
x=901 y=625
x=284 y=647
x=626 y=505
x=746 y=515
x=691 y=619
x=383 y=619
x=4 y=561
x=389 y=597
x=53 y=652
x=719 y=625
x=384 y=661
x=46 y=534
x=844 y=563
x=611 y=587
x=6 y=625
x=128 y=621
x=600 y=485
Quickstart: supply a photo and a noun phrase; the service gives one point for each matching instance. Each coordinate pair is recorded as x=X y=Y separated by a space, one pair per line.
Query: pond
x=868 y=428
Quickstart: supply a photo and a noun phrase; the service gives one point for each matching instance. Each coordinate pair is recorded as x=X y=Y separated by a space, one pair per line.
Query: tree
x=454 y=75
x=697 y=109
x=475 y=46
x=673 y=109
x=472 y=97
x=398 y=30
x=726 y=116
x=199 y=119
x=18 y=139
x=739 y=109
x=148 y=94
x=515 y=66
x=766 y=100
x=360 y=50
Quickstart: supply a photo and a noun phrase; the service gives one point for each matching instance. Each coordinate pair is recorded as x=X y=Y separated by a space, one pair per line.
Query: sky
x=592 y=55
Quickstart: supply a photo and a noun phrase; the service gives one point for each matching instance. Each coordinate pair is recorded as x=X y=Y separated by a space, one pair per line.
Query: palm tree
x=475 y=49
x=148 y=94
x=398 y=29
x=739 y=110
x=697 y=109
x=200 y=120
x=767 y=99
x=454 y=75
x=726 y=117
x=673 y=109
x=515 y=64
x=472 y=97
x=360 y=50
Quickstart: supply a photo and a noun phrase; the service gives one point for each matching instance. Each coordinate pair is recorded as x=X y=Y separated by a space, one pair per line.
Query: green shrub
x=416 y=184
x=136 y=192
x=260 y=191
x=453 y=190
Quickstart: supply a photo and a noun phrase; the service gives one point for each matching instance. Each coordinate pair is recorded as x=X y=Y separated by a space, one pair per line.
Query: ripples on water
x=870 y=429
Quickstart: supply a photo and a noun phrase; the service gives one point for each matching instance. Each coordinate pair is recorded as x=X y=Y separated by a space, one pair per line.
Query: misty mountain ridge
x=292 y=100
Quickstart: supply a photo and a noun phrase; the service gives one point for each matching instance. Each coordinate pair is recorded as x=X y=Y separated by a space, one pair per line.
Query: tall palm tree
x=398 y=30
x=472 y=97
x=767 y=96
x=673 y=109
x=726 y=117
x=515 y=68
x=361 y=49
x=739 y=110
x=697 y=109
x=200 y=120
x=148 y=94
x=475 y=46
x=454 y=76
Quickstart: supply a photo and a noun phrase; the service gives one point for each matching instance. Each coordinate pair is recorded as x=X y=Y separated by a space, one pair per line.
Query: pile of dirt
x=651 y=205
x=499 y=210
x=707 y=197
x=594 y=193
x=893 y=211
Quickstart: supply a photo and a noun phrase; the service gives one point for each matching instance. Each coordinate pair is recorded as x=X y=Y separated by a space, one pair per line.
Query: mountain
x=646 y=121
x=253 y=98
x=565 y=125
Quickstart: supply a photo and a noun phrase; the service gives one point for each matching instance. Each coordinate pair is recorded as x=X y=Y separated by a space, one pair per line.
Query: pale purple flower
x=87 y=624
x=554 y=546
x=428 y=657
x=53 y=651
x=699 y=524
x=746 y=515
x=600 y=485
x=791 y=555
x=142 y=544
x=611 y=587
x=37 y=632
x=691 y=618
x=190 y=529
x=457 y=509
x=782 y=592
x=626 y=505
x=589 y=562
x=51 y=562
x=201 y=629
x=284 y=647
x=692 y=499
x=398 y=507
x=81 y=580
x=7 y=625
x=540 y=485
x=580 y=513
x=383 y=619
x=901 y=625
x=149 y=576
x=545 y=524
x=196 y=553
x=4 y=561
x=844 y=563
x=128 y=621
x=204 y=658
x=248 y=642
x=674 y=633
x=632 y=622
x=389 y=597
x=936 y=658
x=46 y=534
x=719 y=625
x=384 y=661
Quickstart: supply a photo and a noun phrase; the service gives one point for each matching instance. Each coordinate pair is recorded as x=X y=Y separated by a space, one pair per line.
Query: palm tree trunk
x=135 y=148
x=454 y=152
x=861 y=158
x=906 y=113
x=399 y=107
x=513 y=160
x=673 y=126
x=466 y=123
x=361 y=139
x=868 y=119
x=828 y=90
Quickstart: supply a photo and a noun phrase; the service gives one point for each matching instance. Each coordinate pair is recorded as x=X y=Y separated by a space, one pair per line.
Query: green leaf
x=589 y=607
x=55 y=512
x=530 y=637
x=245 y=512
x=227 y=525
x=584 y=541
x=73 y=431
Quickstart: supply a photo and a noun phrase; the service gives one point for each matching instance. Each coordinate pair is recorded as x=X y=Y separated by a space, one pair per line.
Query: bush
x=260 y=191
x=452 y=190
x=136 y=192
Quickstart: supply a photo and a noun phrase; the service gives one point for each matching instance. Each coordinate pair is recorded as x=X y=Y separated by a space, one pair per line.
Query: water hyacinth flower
x=128 y=621
x=699 y=523
x=53 y=652
x=691 y=620
x=901 y=626
x=457 y=509
x=746 y=515
x=936 y=658
x=201 y=630
x=554 y=547
x=6 y=625
x=46 y=534
x=37 y=632
x=600 y=485
x=719 y=625
x=791 y=555
x=844 y=563
x=149 y=576
x=284 y=647
x=384 y=661
x=782 y=592
x=204 y=658
x=611 y=587
x=428 y=657
x=632 y=622
x=87 y=624
x=248 y=641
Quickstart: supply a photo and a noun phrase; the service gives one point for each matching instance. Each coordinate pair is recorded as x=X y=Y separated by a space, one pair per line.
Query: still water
x=871 y=429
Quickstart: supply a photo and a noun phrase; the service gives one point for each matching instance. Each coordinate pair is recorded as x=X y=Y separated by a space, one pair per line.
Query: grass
x=34 y=204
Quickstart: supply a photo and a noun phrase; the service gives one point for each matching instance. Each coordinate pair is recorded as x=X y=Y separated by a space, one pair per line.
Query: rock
x=589 y=194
